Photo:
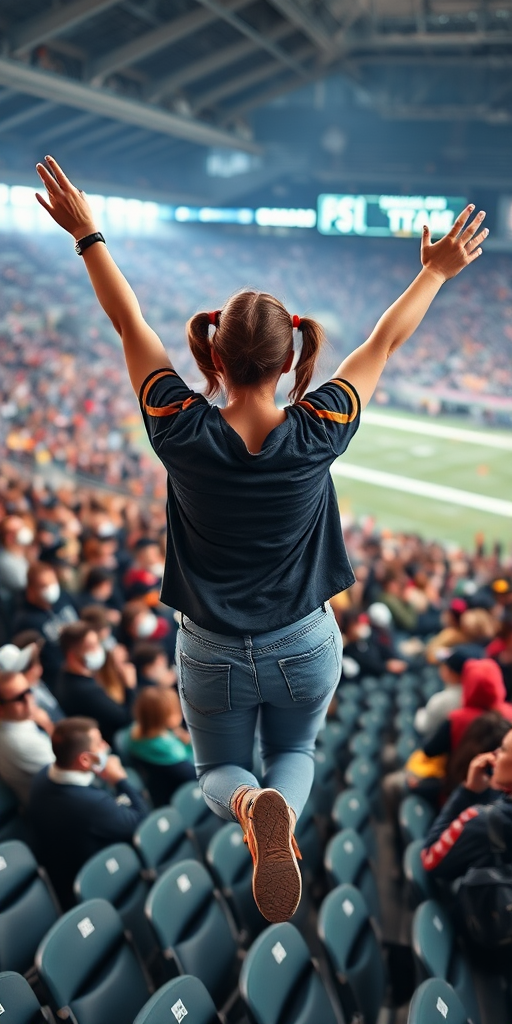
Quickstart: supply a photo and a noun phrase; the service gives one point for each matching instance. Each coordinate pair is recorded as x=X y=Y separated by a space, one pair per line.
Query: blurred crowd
x=65 y=398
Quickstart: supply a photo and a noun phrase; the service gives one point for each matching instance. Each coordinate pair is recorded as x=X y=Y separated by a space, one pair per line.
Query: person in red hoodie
x=483 y=690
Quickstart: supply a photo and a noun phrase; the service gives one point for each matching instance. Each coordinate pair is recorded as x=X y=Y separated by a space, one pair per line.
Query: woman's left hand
x=67 y=205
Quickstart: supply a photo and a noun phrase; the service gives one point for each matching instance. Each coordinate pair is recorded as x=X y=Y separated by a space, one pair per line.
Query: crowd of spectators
x=65 y=398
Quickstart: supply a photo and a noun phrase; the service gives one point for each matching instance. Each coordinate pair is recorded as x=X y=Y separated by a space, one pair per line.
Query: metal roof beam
x=50 y=86
x=25 y=115
x=247 y=30
x=207 y=65
x=287 y=85
x=104 y=131
x=156 y=39
x=73 y=124
x=297 y=15
x=59 y=19
x=242 y=82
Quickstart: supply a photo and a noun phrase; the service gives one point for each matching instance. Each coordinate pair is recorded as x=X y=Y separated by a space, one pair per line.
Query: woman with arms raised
x=254 y=548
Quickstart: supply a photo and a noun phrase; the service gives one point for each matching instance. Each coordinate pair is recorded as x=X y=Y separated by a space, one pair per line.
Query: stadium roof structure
x=145 y=84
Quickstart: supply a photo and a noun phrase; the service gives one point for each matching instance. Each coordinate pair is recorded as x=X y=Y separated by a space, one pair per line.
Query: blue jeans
x=281 y=682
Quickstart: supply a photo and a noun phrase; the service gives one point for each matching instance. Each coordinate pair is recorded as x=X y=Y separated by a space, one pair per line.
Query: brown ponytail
x=312 y=340
x=200 y=347
x=253 y=338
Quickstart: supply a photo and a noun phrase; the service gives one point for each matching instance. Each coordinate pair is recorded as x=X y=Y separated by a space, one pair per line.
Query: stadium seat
x=182 y=997
x=114 y=874
x=197 y=817
x=378 y=700
x=279 y=981
x=373 y=720
x=438 y=956
x=346 y=932
x=89 y=969
x=351 y=692
x=192 y=928
x=435 y=1002
x=408 y=700
x=346 y=862
x=325 y=784
x=161 y=840
x=404 y=720
x=364 y=774
x=351 y=809
x=419 y=883
x=415 y=817
x=334 y=737
x=365 y=744
x=369 y=684
x=348 y=713
x=230 y=863
x=430 y=688
x=310 y=844
x=18 y=1002
x=28 y=907
x=121 y=747
x=406 y=744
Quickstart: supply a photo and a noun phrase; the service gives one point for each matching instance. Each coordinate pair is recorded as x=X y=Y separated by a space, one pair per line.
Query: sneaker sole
x=277 y=881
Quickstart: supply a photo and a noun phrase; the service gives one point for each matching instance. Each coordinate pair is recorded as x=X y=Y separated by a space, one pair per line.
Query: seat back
x=364 y=744
x=310 y=843
x=121 y=745
x=363 y=774
x=27 y=906
x=354 y=953
x=406 y=744
x=348 y=713
x=114 y=874
x=161 y=840
x=436 y=1002
x=230 y=863
x=438 y=956
x=191 y=926
x=352 y=810
x=346 y=862
x=87 y=966
x=196 y=815
x=408 y=700
x=278 y=980
x=373 y=720
x=379 y=700
x=323 y=791
x=17 y=1001
x=182 y=997
x=351 y=692
x=415 y=817
x=333 y=737
x=419 y=883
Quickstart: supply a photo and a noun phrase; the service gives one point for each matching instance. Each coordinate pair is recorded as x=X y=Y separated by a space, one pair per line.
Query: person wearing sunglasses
x=25 y=729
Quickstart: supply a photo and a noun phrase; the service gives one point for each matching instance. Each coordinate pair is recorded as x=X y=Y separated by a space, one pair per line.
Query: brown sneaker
x=268 y=831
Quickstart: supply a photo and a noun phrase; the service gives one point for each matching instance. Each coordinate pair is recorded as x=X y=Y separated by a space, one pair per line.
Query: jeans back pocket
x=311 y=675
x=205 y=686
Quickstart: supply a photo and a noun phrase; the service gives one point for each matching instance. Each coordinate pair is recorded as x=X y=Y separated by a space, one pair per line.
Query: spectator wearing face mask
x=78 y=691
x=139 y=622
x=360 y=645
x=147 y=555
x=47 y=609
x=73 y=818
x=29 y=639
x=117 y=676
x=25 y=729
x=15 y=538
x=152 y=665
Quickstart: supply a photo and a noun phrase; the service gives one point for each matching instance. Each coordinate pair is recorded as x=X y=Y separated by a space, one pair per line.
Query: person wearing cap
x=43 y=696
x=25 y=729
x=437 y=709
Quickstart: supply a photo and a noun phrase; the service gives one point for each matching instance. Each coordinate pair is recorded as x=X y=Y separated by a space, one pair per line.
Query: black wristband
x=83 y=243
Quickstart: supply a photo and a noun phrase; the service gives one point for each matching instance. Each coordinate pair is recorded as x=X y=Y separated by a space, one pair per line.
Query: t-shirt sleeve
x=337 y=407
x=163 y=398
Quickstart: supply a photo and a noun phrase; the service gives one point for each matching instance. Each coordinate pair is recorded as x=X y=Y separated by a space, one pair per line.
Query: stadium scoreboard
x=387 y=216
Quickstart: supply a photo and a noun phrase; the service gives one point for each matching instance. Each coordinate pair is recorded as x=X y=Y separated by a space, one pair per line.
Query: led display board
x=387 y=216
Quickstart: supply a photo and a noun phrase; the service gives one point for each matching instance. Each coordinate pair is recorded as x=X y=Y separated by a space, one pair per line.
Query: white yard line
x=424 y=488
x=428 y=429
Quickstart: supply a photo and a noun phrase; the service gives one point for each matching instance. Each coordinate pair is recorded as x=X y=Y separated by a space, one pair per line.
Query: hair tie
x=213 y=317
x=296 y=321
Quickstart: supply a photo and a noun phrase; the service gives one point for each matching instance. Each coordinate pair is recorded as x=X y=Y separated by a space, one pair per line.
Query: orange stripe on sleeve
x=351 y=394
x=164 y=410
x=335 y=417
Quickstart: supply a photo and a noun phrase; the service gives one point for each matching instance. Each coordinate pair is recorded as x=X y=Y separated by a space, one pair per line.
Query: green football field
x=455 y=472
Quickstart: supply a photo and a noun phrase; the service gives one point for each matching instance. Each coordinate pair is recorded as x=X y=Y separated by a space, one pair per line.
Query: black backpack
x=484 y=895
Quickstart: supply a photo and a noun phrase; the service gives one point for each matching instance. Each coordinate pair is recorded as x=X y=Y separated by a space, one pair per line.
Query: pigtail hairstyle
x=312 y=340
x=201 y=349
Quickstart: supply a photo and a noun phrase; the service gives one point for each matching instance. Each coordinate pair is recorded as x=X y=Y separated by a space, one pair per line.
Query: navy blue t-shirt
x=254 y=540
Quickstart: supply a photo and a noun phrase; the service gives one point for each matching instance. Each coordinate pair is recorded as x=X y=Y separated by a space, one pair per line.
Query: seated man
x=459 y=839
x=47 y=609
x=72 y=817
x=25 y=729
x=78 y=692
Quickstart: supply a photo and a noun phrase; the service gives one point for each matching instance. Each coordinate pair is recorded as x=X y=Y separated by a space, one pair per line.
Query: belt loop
x=181 y=619
x=324 y=607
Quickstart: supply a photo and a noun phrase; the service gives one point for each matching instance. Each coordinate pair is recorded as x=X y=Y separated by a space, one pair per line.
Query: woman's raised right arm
x=143 y=349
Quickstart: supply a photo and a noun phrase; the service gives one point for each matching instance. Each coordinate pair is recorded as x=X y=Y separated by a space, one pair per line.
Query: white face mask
x=364 y=631
x=157 y=568
x=25 y=536
x=51 y=593
x=109 y=643
x=101 y=763
x=147 y=625
x=95 y=659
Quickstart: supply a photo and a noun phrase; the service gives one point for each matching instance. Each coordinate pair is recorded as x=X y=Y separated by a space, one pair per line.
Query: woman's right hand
x=68 y=206
x=457 y=249
x=478 y=778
